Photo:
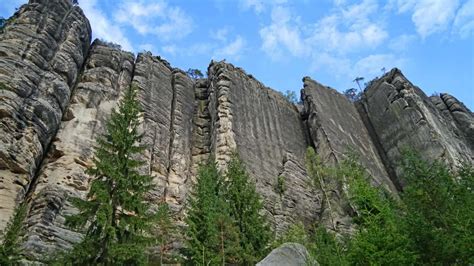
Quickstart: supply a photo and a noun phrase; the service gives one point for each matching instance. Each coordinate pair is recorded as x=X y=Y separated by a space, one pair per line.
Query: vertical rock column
x=267 y=132
x=403 y=117
x=107 y=73
x=167 y=98
x=335 y=129
x=42 y=49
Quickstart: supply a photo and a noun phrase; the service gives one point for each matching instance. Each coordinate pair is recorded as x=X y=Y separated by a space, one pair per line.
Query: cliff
x=57 y=90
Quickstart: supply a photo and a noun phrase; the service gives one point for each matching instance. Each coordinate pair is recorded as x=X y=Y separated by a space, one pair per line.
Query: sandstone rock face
x=41 y=52
x=167 y=98
x=50 y=118
x=335 y=129
x=267 y=132
x=107 y=73
x=402 y=116
x=288 y=254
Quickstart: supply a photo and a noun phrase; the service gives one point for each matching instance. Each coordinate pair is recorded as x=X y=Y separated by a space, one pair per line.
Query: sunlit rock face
x=42 y=49
x=57 y=91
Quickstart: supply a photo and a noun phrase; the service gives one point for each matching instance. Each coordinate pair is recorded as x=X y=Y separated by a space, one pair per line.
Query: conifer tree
x=439 y=210
x=115 y=214
x=163 y=231
x=245 y=208
x=212 y=237
x=10 y=248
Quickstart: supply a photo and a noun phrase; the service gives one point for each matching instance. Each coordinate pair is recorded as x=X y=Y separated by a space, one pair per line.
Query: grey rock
x=402 y=117
x=42 y=50
x=107 y=73
x=288 y=254
x=335 y=129
x=268 y=133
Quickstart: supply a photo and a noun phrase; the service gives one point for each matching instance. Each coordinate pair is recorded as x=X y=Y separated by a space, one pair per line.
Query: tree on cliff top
x=115 y=215
x=194 y=73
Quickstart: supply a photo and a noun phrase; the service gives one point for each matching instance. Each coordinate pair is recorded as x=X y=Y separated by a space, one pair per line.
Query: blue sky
x=281 y=41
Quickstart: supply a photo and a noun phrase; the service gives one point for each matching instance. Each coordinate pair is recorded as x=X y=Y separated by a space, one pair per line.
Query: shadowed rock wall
x=42 y=49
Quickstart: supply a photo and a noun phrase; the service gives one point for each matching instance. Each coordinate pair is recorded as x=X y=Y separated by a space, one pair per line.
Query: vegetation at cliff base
x=10 y=249
x=225 y=224
x=430 y=224
x=115 y=216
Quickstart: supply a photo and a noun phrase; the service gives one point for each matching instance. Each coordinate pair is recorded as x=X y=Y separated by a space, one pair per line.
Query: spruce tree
x=10 y=252
x=245 y=209
x=163 y=231
x=115 y=214
x=211 y=236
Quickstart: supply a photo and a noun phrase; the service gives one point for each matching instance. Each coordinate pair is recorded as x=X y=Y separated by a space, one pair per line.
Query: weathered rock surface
x=167 y=98
x=288 y=254
x=267 y=132
x=336 y=129
x=50 y=118
x=402 y=117
x=107 y=73
x=42 y=49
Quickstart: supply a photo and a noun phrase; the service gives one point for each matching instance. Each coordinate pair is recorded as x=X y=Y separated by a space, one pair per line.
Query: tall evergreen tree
x=245 y=209
x=211 y=235
x=163 y=231
x=115 y=214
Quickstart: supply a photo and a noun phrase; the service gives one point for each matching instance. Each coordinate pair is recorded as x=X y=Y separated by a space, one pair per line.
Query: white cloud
x=146 y=47
x=348 y=29
x=372 y=64
x=104 y=28
x=154 y=17
x=259 y=6
x=220 y=34
x=429 y=16
x=282 y=34
x=402 y=42
x=170 y=49
x=464 y=21
x=232 y=50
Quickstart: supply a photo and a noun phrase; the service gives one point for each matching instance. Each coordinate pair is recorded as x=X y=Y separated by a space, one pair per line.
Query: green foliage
x=319 y=175
x=296 y=233
x=352 y=94
x=163 y=231
x=194 y=73
x=326 y=249
x=115 y=215
x=245 y=208
x=439 y=211
x=10 y=248
x=380 y=238
x=211 y=235
x=280 y=187
x=224 y=220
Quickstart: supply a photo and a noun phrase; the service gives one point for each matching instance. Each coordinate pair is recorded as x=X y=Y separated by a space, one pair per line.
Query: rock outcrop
x=269 y=135
x=42 y=49
x=107 y=73
x=288 y=254
x=57 y=91
x=403 y=117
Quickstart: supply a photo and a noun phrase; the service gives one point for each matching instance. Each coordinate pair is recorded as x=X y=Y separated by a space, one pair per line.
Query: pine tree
x=245 y=208
x=115 y=214
x=212 y=238
x=10 y=248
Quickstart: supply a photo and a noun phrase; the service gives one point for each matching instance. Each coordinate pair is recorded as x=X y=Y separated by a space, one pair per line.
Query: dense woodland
x=431 y=222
